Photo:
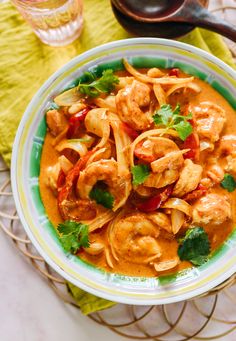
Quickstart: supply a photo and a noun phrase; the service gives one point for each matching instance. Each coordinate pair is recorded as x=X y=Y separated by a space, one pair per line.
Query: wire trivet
x=134 y=322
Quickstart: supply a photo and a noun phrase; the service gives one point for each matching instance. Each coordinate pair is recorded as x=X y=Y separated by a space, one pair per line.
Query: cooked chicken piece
x=190 y=177
x=55 y=122
x=210 y=120
x=212 y=208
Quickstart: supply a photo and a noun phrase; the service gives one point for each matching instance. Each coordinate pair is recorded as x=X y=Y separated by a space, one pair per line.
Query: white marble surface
x=30 y=310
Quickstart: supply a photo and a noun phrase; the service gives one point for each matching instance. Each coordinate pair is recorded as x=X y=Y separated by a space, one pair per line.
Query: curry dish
x=137 y=170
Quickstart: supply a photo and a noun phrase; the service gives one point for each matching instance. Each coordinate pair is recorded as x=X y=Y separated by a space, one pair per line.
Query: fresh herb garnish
x=73 y=235
x=140 y=174
x=172 y=119
x=228 y=183
x=102 y=197
x=104 y=84
x=195 y=246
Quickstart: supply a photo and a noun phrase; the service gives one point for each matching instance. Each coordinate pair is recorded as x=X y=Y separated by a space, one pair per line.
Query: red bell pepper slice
x=155 y=202
x=196 y=194
x=192 y=143
x=75 y=121
x=61 y=179
x=174 y=72
x=133 y=134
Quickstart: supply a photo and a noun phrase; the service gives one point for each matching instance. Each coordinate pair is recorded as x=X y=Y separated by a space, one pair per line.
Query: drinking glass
x=55 y=22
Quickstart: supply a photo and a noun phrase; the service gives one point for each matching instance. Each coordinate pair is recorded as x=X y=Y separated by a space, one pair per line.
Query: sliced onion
x=162 y=80
x=108 y=258
x=206 y=145
x=102 y=153
x=190 y=85
x=136 y=73
x=68 y=98
x=65 y=164
x=177 y=220
x=101 y=219
x=108 y=103
x=77 y=146
x=160 y=94
x=178 y=204
x=110 y=232
x=96 y=122
x=94 y=248
x=122 y=142
x=166 y=265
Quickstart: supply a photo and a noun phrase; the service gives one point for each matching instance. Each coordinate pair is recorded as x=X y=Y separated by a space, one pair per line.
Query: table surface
x=31 y=311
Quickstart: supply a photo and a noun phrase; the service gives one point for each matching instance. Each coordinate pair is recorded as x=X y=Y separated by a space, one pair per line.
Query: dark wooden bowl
x=147 y=29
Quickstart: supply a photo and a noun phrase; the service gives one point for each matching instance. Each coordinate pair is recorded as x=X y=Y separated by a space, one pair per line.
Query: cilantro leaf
x=73 y=235
x=195 y=246
x=173 y=119
x=140 y=174
x=104 y=84
x=163 y=114
x=228 y=183
x=102 y=197
x=184 y=129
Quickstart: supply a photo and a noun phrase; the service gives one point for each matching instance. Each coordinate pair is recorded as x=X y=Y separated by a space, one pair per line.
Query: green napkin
x=88 y=303
x=26 y=63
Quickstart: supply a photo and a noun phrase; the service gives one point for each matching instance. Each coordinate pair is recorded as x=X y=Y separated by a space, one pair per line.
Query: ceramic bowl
x=142 y=52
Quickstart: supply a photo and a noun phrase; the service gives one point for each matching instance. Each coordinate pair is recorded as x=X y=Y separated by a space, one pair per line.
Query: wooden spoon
x=152 y=17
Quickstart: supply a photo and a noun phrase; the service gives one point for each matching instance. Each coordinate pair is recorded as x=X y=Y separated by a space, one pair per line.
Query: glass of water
x=55 y=22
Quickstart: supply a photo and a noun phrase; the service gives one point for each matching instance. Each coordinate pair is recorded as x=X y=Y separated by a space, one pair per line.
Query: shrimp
x=212 y=208
x=137 y=238
x=129 y=102
x=55 y=122
x=189 y=179
x=210 y=119
x=107 y=171
x=134 y=238
x=227 y=147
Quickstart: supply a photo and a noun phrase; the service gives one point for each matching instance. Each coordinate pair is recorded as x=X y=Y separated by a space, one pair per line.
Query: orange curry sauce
x=217 y=233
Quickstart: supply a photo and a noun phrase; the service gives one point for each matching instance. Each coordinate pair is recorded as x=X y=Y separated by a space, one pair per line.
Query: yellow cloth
x=88 y=303
x=25 y=63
